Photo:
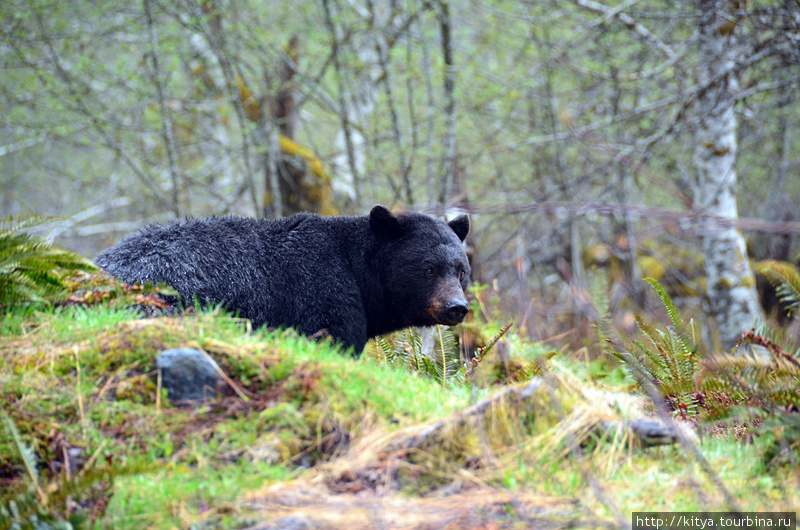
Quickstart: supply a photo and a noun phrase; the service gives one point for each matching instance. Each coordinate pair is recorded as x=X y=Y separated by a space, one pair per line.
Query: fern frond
x=657 y=340
x=446 y=342
x=25 y=454
x=598 y=296
x=414 y=342
x=386 y=349
x=666 y=299
x=787 y=277
x=658 y=361
x=674 y=315
x=669 y=363
x=10 y=225
x=446 y=349
x=30 y=268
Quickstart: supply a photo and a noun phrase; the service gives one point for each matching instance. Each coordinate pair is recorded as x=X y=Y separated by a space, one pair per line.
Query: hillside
x=301 y=436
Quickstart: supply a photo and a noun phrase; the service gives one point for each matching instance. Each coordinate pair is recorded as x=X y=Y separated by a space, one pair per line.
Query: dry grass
x=309 y=438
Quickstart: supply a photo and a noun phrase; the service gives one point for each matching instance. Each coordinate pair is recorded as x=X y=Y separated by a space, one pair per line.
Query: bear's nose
x=456 y=309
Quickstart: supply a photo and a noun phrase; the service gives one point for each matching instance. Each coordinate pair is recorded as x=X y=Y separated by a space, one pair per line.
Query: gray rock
x=187 y=374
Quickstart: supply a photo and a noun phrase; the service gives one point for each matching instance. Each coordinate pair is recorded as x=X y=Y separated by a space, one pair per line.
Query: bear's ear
x=384 y=223
x=460 y=226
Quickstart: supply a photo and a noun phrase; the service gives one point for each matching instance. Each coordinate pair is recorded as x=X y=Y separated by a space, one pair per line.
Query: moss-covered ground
x=303 y=434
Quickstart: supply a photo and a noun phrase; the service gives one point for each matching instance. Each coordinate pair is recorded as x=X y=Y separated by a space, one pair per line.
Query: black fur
x=356 y=277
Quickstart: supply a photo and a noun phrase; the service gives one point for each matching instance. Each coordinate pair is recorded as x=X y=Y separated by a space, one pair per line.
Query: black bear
x=355 y=277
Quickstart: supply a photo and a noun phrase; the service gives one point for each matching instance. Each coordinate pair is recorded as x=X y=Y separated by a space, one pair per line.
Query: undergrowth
x=90 y=391
x=88 y=436
x=436 y=353
x=31 y=269
x=740 y=393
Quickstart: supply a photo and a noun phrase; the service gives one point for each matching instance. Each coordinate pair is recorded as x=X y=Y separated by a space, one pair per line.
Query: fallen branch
x=415 y=439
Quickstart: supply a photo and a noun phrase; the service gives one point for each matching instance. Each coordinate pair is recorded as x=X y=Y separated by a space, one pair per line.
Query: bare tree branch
x=81 y=107
x=19 y=146
x=690 y=223
x=166 y=119
x=616 y=12
x=344 y=96
x=405 y=164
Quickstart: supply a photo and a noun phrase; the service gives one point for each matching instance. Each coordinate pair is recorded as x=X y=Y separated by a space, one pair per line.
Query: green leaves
x=440 y=362
x=31 y=269
x=787 y=278
x=710 y=386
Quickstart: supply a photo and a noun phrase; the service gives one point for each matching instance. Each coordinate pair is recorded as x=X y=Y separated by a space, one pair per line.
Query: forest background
x=578 y=135
x=631 y=172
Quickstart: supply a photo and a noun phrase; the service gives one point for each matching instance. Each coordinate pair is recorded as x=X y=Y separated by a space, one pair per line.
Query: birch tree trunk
x=731 y=299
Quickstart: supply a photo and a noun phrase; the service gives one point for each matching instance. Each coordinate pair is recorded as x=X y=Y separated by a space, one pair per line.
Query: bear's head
x=423 y=267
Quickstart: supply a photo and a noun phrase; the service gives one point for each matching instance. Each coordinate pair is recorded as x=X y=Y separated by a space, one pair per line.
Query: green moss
x=723 y=283
x=652 y=267
x=749 y=281
x=306 y=403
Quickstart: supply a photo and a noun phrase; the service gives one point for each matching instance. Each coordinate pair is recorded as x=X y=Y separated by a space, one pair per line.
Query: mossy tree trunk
x=730 y=296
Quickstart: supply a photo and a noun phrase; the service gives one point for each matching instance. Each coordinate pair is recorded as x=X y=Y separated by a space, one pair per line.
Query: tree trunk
x=448 y=165
x=731 y=299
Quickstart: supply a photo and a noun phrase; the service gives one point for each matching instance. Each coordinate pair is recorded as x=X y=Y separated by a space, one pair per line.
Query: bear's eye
x=461 y=276
x=428 y=271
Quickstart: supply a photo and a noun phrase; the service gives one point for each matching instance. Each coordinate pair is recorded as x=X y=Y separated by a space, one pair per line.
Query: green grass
x=88 y=375
x=181 y=496
x=85 y=378
x=72 y=323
